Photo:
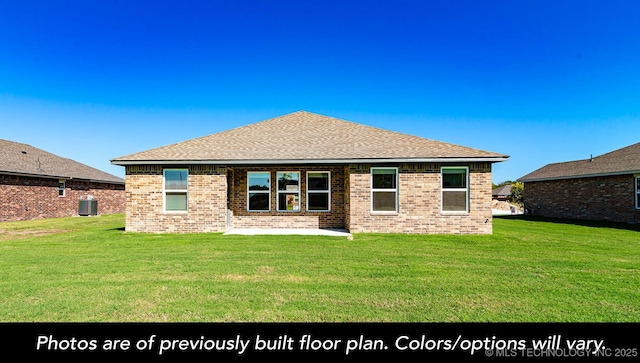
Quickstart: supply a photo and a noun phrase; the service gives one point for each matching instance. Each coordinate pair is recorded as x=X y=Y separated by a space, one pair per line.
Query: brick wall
x=206 y=203
x=606 y=198
x=419 y=202
x=242 y=218
x=24 y=198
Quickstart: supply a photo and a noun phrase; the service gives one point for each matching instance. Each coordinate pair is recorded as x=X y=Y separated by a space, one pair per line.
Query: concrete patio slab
x=290 y=231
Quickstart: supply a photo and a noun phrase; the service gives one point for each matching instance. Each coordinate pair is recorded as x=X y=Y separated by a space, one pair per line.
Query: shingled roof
x=618 y=162
x=22 y=159
x=305 y=137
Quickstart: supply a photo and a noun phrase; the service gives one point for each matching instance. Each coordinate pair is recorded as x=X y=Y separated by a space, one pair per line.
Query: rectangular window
x=62 y=186
x=259 y=191
x=384 y=189
x=318 y=191
x=288 y=191
x=175 y=190
x=455 y=189
x=638 y=192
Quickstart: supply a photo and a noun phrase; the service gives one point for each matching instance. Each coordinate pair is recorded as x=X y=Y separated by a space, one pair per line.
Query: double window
x=455 y=189
x=384 y=190
x=288 y=191
x=175 y=190
x=318 y=191
x=259 y=190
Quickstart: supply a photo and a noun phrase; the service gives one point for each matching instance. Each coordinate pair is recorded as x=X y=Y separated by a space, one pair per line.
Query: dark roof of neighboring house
x=304 y=137
x=618 y=162
x=22 y=159
x=504 y=190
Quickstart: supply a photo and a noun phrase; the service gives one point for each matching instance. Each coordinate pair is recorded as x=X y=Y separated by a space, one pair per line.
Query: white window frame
x=395 y=190
x=637 y=195
x=268 y=192
x=328 y=191
x=166 y=191
x=443 y=189
x=278 y=191
x=62 y=187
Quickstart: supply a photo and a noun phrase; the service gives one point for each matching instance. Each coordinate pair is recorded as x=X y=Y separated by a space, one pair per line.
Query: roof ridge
x=303 y=136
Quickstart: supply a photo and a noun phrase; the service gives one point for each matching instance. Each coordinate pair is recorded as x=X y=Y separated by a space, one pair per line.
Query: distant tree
x=517 y=193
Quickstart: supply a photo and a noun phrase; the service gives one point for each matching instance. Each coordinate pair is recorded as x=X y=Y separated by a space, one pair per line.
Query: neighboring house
x=304 y=170
x=604 y=188
x=37 y=184
x=501 y=193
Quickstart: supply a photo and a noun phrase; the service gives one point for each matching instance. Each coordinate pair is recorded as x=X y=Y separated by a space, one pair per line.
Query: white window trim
x=328 y=191
x=443 y=189
x=395 y=190
x=259 y=191
x=64 y=188
x=278 y=191
x=165 y=191
x=637 y=180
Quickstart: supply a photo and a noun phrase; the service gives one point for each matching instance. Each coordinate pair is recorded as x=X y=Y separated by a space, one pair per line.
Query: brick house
x=605 y=188
x=304 y=170
x=36 y=184
x=501 y=193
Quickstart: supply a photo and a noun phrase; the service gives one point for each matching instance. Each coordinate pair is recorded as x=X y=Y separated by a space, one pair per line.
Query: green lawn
x=87 y=269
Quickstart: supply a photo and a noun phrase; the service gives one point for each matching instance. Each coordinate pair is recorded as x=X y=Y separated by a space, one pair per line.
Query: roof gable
x=305 y=137
x=23 y=159
x=622 y=161
x=502 y=190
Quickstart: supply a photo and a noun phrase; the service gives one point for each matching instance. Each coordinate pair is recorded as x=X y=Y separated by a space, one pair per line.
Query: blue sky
x=541 y=81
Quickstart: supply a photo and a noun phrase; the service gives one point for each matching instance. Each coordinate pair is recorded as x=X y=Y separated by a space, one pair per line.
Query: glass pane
x=318 y=201
x=318 y=181
x=289 y=181
x=384 y=178
x=258 y=181
x=454 y=178
x=289 y=201
x=384 y=201
x=258 y=201
x=176 y=202
x=175 y=179
x=454 y=201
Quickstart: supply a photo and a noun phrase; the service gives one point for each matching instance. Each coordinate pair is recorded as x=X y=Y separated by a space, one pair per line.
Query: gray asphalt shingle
x=305 y=136
x=19 y=158
x=621 y=161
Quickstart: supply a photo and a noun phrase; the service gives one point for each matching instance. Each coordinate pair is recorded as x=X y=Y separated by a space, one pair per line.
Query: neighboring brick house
x=605 y=188
x=304 y=170
x=36 y=184
x=501 y=193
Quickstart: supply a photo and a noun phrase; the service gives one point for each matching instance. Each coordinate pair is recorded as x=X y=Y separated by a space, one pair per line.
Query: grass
x=87 y=269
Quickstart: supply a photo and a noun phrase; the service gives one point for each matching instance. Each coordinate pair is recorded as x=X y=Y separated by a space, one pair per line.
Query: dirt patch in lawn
x=24 y=233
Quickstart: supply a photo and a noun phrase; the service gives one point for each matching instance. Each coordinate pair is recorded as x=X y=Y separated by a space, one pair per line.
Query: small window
x=318 y=191
x=638 y=192
x=175 y=190
x=258 y=191
x=384 y=189
x=62 y=187
x=455 y=189
x=289 y=191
